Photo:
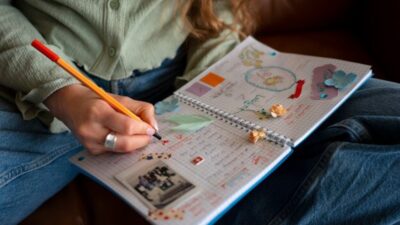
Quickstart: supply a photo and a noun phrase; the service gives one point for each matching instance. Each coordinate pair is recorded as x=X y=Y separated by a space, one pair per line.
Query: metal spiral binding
x=234 y=120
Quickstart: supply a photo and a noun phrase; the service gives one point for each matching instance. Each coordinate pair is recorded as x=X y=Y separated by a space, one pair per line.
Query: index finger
x=123 y=124
x=142 y=109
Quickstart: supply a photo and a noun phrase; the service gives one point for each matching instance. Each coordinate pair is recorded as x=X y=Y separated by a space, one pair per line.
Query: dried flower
x=277 y=110
x=255 y=135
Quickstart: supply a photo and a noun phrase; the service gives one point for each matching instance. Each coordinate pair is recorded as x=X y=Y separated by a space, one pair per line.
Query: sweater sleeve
x=202 y=54
x=23 y=69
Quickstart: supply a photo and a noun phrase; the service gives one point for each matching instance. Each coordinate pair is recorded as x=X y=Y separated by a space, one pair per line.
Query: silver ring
x=111 y=140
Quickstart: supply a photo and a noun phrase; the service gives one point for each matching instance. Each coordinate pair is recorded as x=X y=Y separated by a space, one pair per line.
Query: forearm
x=23 y=69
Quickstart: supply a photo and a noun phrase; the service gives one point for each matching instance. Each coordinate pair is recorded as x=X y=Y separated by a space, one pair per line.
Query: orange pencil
x=86 y=81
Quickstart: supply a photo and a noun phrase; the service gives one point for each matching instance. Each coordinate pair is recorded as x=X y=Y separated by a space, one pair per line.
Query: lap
x=303 y=190
x=374 y=98
x=345 y=172
x=33 y=164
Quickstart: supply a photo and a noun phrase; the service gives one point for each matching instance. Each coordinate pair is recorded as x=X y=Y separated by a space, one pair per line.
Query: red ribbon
x=299 y=88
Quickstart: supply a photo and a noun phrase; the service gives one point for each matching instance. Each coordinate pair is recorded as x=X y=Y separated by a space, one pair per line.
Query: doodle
x=258 y=159
x=179 y=136
x=226 y=90
x=250 y=56
x=262 y=114
x=248 y=103
x=271 y=78
x=236 y=178
x=276 y=110
x=271 y=81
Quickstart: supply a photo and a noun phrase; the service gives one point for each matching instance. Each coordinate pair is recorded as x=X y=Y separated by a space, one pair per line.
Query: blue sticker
x=272 y=53
x=323 y=95
x=340 y=79
x=167 y=106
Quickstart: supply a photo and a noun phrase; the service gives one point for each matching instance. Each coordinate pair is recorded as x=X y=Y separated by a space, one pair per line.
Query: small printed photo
x=156 y=184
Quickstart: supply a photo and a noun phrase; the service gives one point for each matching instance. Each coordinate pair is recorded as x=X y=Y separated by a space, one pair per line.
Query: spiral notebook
x=194 y=177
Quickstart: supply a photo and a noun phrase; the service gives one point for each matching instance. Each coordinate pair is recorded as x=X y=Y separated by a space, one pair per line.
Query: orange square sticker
x=212 y=79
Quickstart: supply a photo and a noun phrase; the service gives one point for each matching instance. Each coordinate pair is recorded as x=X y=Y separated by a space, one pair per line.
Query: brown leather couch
x=365 y=31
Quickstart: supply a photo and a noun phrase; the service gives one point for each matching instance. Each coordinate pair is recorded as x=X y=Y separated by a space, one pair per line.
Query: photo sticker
x=157 y=185
x=198 y=89
x=212 y=79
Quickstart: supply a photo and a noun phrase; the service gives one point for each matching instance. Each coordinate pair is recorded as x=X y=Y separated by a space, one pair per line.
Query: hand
x=90 y=118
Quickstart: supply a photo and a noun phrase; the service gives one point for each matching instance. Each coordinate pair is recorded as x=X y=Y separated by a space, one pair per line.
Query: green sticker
x=189 y=123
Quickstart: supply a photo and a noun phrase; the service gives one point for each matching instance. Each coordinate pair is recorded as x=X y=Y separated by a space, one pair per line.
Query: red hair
x=200 y=18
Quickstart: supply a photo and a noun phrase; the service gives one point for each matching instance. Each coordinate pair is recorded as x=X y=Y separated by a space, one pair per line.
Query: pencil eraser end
x=46 y=51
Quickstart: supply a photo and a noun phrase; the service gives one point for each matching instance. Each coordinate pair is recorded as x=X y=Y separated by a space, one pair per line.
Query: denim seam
x=311 y=179
x=114 y=86
x=357 y=130
x=15 y=172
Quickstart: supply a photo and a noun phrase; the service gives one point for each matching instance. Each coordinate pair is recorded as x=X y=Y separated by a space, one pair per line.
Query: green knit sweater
x=109 y=38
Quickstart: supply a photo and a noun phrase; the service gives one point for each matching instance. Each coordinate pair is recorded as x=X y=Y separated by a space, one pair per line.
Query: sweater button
x=111 y=52
x=114 y=4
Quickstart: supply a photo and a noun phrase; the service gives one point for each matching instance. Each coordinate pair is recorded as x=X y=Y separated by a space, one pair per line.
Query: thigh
x=33 y=164
x=375 y=98
x=356 y=178
x=359 y=185
x=357 y=144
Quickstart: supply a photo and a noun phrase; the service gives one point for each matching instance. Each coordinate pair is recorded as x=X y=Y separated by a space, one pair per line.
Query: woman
x=342 y=174
x=134 y=49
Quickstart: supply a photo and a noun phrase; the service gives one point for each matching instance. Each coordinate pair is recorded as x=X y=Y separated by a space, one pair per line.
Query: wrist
x=57 y=101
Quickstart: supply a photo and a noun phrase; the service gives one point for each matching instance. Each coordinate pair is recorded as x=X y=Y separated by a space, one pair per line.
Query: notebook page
x=231 y=166
x=254 y=77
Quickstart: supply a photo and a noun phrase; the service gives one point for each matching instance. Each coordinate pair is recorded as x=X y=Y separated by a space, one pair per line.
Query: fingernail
x=156 y=126
x=150 y=131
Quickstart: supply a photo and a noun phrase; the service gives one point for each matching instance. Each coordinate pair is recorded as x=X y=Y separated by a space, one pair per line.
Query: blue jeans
x=347 y=172
x=34 y=162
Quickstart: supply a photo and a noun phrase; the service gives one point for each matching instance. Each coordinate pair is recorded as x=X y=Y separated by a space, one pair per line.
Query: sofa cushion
x=291 y=15
x=65 y=208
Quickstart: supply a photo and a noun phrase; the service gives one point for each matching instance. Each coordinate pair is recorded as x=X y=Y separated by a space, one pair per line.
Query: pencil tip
x=157 y=135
